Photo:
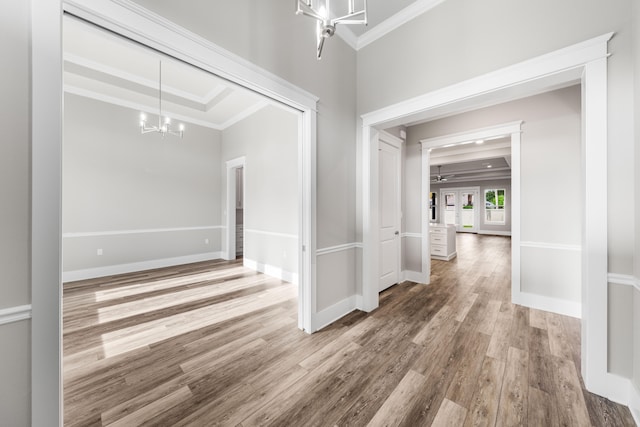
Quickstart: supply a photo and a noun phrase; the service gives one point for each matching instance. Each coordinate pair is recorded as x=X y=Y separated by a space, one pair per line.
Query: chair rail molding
x=15 y=314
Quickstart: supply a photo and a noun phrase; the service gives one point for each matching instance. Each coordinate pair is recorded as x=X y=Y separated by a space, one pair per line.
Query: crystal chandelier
x=162 y=128
x=321 y=11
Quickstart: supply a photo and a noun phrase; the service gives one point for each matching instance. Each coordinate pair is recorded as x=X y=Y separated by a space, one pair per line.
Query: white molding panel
x=91 y=273
x=271 y=270
x=15 y=314
x=139 y=231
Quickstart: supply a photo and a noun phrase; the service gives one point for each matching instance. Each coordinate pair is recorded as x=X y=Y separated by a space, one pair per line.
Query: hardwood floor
x=216 y=344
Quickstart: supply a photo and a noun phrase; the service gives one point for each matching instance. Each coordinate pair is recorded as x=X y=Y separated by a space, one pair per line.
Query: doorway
x=585 y=62
x=460 y=208
x=46 y=172
x=390 y=212
x=234 y=236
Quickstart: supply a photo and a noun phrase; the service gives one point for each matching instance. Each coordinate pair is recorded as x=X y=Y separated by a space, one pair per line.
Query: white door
x=389 y=202
x=460 y=208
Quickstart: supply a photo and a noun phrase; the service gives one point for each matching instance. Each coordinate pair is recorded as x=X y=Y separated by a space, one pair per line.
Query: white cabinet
x=443 y=241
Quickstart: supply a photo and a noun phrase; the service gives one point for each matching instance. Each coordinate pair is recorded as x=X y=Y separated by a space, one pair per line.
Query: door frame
x=476 y=211
x=584 y=63
x=138 y=24
x=397 y=143
x=514 y=131
x=230 y=224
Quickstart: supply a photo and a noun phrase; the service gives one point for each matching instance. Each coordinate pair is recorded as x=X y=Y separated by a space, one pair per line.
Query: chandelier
x=162 y=128
x=321 y=11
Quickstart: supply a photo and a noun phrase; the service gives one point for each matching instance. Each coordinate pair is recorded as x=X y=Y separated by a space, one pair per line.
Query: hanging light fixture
x=321 y=11
x=163 y=128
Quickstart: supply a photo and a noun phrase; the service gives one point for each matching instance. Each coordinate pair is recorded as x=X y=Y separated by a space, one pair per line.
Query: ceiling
x=106 y=67
x=100 y=65
x=472 y=161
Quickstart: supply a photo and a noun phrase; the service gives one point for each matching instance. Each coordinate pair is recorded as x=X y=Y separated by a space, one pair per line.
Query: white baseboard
x=110 y=270
x=495 y=233
x=333 y=313
x=272 y=271
x=412 y=276
x=634 y=402
x=554 y=305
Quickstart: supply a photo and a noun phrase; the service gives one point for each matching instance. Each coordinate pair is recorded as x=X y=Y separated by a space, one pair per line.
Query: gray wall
x=118 y=181
x=270 y=35
x=461 y=39
x=269 y=141
x=15 y=348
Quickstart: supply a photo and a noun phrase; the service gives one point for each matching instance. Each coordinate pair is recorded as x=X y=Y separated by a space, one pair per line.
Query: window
x=494 y=206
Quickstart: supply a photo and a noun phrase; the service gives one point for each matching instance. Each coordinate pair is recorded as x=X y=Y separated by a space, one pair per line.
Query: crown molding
x=405 y=15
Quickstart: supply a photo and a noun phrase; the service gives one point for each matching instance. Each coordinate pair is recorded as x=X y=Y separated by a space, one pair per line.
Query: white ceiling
x=489 y=160
x=106 y=67
x=103 y=66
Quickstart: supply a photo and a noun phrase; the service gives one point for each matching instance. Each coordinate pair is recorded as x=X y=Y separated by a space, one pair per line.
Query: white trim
x=545 y=303
x=412 y=235
x=338 y=248
x=554 y=246
x=112 y=270
x=229 y=237
x=500 y=130
x=495 y=233
x=572 y=58
x=624 y=279
x=271 y=233
x=334 y=312
x=618 y=389
x=140 y=231
x=271 y=270
x=634 y=402
x=411 y=276
x=585 y=62
x=46 y=207
x=15 y=314
x=410 y=12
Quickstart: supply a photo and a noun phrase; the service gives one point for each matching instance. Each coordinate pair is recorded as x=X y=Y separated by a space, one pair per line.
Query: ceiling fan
x=439 y=178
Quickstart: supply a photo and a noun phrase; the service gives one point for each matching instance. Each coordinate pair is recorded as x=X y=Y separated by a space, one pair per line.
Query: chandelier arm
x=306 y=10
x=351 y=18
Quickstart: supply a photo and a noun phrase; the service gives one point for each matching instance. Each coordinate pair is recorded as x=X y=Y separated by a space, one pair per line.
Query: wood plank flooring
x=214 y=343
